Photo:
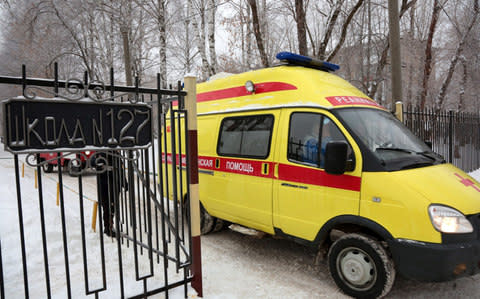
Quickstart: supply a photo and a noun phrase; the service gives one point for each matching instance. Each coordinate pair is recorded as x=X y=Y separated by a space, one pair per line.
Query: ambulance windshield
x=388 y=139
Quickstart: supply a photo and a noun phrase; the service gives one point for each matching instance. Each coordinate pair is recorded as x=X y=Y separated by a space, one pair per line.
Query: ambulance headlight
x=448 y=220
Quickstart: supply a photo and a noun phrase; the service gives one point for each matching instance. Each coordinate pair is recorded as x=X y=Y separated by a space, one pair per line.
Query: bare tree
x=437 y=7
x=345 y=25
x=301 y=27
x=212 y=9
x=448 y=78
x=157 y=10
x=258 y=33
x=382 y=61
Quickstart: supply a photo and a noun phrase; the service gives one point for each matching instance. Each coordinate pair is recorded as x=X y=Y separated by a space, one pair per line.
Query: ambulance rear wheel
x=220 y=224
x=207 y=221
x=361 y=267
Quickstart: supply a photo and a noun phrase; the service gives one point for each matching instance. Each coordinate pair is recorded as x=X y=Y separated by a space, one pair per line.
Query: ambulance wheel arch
x=348 y=224
x=351 y=224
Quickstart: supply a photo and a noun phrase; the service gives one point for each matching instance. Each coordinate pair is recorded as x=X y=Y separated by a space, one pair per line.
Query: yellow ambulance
x=295 y=151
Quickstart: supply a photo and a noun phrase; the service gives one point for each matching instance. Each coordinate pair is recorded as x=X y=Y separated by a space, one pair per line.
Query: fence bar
x=2 y=287
x=450 y=136
x=455 y=135
x=20 y=222
x=64 y=228
x=42 y=224
x=161 y=156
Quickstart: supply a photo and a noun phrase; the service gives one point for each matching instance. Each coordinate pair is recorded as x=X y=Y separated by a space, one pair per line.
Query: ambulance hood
x=443 y=184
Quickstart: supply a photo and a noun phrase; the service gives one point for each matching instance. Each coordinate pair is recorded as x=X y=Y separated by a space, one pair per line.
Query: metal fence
x=454 y=135
x=149 y=247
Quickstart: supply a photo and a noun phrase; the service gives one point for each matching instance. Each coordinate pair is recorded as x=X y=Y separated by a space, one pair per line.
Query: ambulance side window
x=303 y=138
x=308 y=137
x=245 y=136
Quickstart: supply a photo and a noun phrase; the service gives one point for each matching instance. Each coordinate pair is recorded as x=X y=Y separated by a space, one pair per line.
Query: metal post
x=191 y=107
x=399 y=111
x=450 y=136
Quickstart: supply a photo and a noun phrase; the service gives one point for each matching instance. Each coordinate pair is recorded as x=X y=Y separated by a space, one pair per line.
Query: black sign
x=43 y=125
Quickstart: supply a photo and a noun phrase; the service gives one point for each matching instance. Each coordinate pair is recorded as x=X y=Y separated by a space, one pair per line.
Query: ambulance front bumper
x=435 y=262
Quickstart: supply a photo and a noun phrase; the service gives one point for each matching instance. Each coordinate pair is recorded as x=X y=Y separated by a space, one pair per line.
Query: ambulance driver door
x=306 y=196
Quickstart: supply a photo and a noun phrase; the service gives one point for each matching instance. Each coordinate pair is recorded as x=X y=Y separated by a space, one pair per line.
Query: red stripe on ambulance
x=290 y=173
x=317 y=177
x=240 y=91
x=238 y=166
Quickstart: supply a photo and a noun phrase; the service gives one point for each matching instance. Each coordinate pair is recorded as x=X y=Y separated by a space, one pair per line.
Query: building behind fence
x=454 y=135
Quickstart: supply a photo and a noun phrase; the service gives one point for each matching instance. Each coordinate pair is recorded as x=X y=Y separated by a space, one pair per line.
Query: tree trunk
x=126 y=55
x=163 y=42
x=258 y=34
x=211 y=36
x=248 y=39
x=463 y=85
x=437 y=7
x=200 y=37
x=188 y=63
x=301 y=24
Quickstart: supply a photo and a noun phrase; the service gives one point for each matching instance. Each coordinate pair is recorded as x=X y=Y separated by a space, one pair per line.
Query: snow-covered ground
x=235 y=265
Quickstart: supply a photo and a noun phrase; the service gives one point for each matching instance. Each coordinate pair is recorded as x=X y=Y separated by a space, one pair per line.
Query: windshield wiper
x=396 y=149
x=417 y=165
x=429 y=155
x=426 y=154
x=432 y=155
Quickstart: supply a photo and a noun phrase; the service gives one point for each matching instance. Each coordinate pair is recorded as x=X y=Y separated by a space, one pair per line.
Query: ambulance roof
x=280 y=86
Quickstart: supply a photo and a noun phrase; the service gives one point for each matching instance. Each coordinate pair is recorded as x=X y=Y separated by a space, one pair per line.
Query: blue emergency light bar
x=295 y=59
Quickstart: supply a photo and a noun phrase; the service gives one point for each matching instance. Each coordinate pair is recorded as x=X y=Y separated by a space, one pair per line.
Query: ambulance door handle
x=210 y=172
x=294 y=186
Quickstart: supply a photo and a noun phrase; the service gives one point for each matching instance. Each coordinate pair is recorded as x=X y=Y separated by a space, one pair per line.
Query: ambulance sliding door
x=244 y=169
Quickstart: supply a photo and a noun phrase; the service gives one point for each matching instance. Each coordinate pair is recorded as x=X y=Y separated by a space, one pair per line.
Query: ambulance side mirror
x=336 y=157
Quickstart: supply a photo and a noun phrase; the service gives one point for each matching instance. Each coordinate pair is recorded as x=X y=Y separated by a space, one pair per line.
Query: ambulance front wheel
x=361 y=267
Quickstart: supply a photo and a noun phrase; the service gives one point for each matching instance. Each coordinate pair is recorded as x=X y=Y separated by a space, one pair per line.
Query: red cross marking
x=467 y=182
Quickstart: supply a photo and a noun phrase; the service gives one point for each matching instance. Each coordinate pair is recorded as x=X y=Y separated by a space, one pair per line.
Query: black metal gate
x=142 y=243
